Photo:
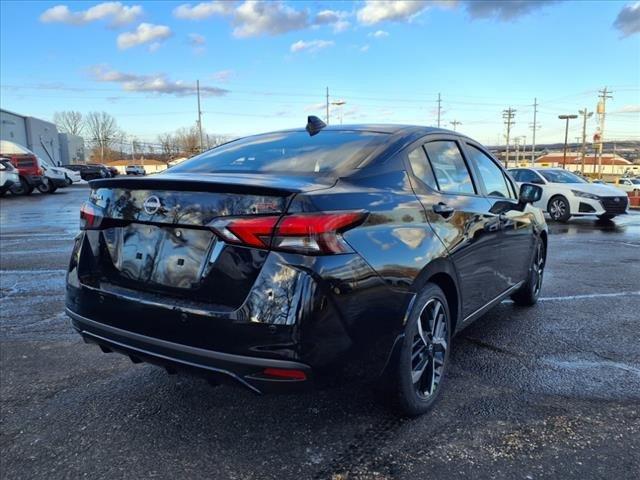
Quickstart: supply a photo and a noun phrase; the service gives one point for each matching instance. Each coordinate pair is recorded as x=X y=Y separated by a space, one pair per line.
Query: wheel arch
x=442 y=273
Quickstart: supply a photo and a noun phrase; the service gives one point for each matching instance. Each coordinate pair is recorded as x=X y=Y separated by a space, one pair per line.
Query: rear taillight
x=40 y=172
x=90 y=217
x=310 y=233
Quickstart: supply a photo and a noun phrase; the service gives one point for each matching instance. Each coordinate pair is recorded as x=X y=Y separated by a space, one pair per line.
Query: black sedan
x=298 y=258
x=89 y=171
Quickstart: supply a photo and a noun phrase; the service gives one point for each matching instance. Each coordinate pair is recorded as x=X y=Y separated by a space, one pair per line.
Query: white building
x=41 y=137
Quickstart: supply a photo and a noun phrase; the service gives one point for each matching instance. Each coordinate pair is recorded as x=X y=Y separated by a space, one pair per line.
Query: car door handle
x=443 y=209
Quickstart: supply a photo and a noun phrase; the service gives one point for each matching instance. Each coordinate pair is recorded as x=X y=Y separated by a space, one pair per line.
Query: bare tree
x=69 y=121
x=102 y=130
x=188 y=140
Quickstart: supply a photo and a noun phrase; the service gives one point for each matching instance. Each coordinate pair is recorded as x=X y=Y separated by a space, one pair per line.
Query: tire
x=23 y=188
x=528 y=294
x=46 y=186
x=605 y=217
x=420 y=368
x=68 y=181
x=559 y=209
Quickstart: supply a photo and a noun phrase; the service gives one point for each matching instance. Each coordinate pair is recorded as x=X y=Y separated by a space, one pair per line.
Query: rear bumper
x=220 y=367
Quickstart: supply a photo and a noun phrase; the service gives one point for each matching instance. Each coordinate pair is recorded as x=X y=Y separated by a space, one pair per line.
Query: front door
x=460 y=215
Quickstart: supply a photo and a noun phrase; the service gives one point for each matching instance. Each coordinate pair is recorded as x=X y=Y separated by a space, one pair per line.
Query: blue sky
x=266 y=66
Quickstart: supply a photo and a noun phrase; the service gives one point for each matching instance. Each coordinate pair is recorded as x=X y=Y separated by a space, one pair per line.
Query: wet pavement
x=551 y=391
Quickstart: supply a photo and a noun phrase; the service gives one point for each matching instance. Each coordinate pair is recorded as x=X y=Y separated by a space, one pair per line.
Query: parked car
x=88 y=172
x=135 y=170
x=278 y=261
x=8 y=175
x=628 y=184
x=71 y=176
x=25 y=161
x=53 y=178
x=106 y=170
x=565 y=194
x=113 y=171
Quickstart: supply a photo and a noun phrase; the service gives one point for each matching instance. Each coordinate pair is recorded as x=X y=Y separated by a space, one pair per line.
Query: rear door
x=516 y=237
x=459 y=214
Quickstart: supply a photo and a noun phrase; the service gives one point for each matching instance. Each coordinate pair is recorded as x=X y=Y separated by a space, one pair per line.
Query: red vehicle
x=29 y=169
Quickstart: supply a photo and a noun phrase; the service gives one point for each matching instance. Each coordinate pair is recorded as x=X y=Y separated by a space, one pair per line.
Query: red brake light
x=90 y=217
x=311 y=233
x=285 y=373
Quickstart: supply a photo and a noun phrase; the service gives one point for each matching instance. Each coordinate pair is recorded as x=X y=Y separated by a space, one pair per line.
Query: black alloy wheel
x=528 y=294
x=425 y=353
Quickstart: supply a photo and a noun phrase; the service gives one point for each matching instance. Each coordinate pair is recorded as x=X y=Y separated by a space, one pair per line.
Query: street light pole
x=566 y=135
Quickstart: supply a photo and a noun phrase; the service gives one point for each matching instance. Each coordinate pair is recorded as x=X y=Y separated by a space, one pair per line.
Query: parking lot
x=547 y=392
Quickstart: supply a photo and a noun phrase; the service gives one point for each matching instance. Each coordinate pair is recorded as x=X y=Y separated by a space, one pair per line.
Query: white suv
x=565 y=194
x=135 y=170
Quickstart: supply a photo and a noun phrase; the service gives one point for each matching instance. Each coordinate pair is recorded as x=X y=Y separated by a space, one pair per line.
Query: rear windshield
x=287 y=152
x=26 y=162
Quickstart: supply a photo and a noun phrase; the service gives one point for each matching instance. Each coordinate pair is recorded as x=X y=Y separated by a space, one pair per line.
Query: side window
x=450 y=170
x=492 y=177
x=517 y=175
x=529 y=177
x=421 y=168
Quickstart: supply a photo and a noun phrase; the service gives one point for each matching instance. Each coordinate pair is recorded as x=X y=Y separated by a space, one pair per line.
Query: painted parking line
x=588 y=295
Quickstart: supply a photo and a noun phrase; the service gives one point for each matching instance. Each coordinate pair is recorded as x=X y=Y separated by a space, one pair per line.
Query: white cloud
x=379 y=34
x=364 y=48
x=157 y=83
x=336 y=19
x=315 y=107
x=223 y=75
x=628 y=20
x=254 y=18
x=145 y=33
x=629 y=109
x=504 y=10
x=375 y=11
x=310 y=46
x=196 y=40
x=203 y=10
x=116 y=12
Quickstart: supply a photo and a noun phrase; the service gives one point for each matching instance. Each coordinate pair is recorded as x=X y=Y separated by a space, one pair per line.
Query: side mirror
x=530 y=193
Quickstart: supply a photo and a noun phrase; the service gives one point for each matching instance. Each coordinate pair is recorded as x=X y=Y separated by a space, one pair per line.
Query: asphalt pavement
x=551 y=391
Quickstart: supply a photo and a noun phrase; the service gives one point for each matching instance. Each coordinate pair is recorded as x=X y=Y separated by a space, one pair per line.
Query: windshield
x=560 y=176
x=286 y=152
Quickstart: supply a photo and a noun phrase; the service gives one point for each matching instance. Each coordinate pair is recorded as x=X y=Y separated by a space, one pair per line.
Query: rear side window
x=287 y=152
x=491 y=174
x=449 y=167
x=421 y=168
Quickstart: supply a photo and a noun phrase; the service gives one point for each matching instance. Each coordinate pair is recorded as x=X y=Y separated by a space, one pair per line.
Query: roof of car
x=380 y=128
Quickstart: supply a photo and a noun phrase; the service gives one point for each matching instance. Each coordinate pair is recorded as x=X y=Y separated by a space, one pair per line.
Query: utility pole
x=439 y=109
x=508 y=115
x=604 y=94
x=327 y=106
x=516 y=142
x=585 y=114
x=455 y=123
x=534 y=127
x=566 y=136
x=199 y=114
